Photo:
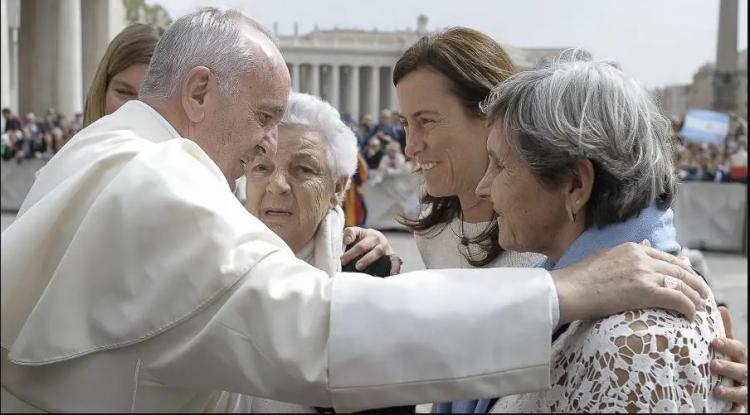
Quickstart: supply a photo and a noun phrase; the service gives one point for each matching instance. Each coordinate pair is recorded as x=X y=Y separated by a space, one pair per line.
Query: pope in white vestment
x=132 y=280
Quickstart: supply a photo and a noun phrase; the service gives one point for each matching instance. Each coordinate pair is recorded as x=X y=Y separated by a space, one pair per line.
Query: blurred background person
x=121 y=71
x=393 y=161
x=373 y=153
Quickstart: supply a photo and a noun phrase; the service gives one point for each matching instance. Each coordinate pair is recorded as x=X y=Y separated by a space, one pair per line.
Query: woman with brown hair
x=440 y=81
x=121 y=71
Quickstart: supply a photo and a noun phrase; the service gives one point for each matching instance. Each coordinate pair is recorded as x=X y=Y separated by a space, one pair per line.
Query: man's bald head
x=227 y=42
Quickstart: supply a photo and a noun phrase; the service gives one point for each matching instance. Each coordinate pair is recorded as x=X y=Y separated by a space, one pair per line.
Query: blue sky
x=659 y=42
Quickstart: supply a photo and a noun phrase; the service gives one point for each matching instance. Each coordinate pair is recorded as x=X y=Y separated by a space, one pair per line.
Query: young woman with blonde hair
x=121 y=71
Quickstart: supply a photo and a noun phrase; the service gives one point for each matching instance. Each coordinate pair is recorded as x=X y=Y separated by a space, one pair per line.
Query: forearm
x=288 y=332
x=437 y=335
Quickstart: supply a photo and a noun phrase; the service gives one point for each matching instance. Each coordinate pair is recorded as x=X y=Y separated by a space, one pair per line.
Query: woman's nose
x=414 y=145
x=278 y=183
x=483 y=188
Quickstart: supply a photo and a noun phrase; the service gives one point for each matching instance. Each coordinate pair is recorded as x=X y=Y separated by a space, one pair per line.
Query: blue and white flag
x=705 y=126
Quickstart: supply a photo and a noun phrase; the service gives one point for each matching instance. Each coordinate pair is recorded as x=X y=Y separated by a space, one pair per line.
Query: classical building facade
x=353 y=69
x=50 y=51
x=51 y=48
x=675 y=100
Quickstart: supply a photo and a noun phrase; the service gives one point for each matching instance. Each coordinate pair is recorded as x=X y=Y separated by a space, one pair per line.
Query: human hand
x=736 y=369
x=370 y=243
x=629 y=276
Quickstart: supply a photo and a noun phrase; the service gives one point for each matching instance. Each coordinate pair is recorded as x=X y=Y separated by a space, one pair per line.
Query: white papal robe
x=133 y=280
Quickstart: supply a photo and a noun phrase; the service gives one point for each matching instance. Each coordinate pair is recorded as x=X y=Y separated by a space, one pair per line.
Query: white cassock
x=133 y=280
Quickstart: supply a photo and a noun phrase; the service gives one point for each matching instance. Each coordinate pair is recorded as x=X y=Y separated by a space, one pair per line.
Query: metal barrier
x=708 y=216
x=712 y=216
x=16 y=180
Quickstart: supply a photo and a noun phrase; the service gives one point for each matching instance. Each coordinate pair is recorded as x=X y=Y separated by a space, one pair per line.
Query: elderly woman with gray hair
x=581 y=160
x=298 y=191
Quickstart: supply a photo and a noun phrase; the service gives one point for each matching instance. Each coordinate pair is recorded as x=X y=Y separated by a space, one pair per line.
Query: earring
x=572 y=215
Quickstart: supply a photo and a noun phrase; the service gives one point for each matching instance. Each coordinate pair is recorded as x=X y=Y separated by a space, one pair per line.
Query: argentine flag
x=705 y=126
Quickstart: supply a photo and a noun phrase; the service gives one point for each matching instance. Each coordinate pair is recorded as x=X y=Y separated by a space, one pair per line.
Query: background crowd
x=28 y=137
x=381 y=145
x=725 y=162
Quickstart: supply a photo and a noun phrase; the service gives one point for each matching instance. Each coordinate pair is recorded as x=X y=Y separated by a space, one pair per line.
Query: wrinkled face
x=447 y=142
x=529 y=215
x=124 y=86
x=241 y=123
x=236 y=122
x=291 y=191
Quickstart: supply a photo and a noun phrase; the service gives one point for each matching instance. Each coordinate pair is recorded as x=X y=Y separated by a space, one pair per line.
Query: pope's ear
x=196 y=88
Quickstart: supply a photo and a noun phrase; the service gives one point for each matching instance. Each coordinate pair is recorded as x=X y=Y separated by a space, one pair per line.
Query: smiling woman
x=440 y=81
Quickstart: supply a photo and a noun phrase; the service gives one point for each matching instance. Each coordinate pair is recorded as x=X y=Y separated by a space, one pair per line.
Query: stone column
x=69 y=72
x=315 y=79
x=325 y=83
x=50 y=57
x=725 y=82
x=12 y=8
x=4 y=58
x=101 y=21
x=387 y=95
x=352 y=90
x=374 y=92
x=294 y=72
x=334 y=88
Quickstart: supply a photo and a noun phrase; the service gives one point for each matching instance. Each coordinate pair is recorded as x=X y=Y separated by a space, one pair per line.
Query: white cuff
x=554 y=307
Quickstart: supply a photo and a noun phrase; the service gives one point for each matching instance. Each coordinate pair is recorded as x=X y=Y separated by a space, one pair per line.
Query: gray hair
x=312 y=113
x=208 y=37
x=577 y=109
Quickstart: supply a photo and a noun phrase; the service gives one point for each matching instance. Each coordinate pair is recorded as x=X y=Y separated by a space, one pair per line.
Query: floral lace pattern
x=640 y=361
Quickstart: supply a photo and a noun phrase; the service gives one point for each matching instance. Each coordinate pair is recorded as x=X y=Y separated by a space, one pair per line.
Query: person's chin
x=437 y=188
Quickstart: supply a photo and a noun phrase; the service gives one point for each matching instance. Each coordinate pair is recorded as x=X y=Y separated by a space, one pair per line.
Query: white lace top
x=639 y=361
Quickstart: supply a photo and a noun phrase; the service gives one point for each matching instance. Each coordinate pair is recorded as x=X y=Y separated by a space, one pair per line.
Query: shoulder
x=656 y=343
x=637 y=354
x=706 y=325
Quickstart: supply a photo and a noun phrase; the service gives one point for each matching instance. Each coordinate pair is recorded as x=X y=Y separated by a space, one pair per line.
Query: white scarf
x=324 y=250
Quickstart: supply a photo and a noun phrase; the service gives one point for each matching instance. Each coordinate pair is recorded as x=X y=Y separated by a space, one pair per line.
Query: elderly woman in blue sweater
x=581 y=160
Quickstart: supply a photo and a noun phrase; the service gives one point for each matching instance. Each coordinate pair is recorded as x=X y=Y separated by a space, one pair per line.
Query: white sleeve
x=438 y=335
x=554 y=307
x=288 y=332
